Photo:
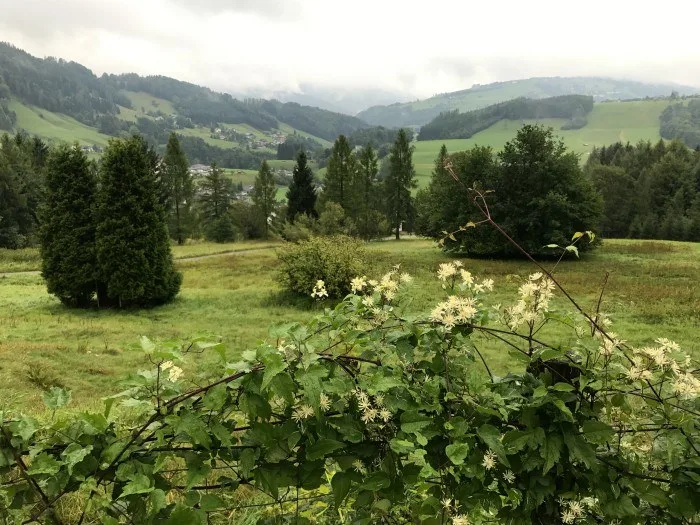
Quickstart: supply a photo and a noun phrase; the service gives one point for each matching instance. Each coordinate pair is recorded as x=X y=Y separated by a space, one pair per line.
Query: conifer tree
x=399 y=182
x=178 y=189
x=301 y=196
x=264 y=191
x=215 y=194
x=133 y=249
x=367 y=171
x=338 y=185
x=68 y=259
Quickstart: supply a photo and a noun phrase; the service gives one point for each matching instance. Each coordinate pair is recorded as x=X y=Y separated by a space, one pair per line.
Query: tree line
x=456 y=125
x=682 y=121
x=355 y=198
x=649 y=191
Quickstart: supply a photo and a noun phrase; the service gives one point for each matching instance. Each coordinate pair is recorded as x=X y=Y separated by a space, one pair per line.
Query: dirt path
x=181 y=259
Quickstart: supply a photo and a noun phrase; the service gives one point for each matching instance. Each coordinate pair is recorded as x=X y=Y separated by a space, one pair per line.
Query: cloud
x=276 y=9
x=271 y=46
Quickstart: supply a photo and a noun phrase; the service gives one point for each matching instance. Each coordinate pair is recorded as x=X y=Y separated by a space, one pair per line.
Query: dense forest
x=682 y=121
x=649 y=191
x=456 y=125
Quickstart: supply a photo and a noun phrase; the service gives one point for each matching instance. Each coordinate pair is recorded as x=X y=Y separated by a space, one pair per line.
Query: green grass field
x=148 y=102
x=54 y=126
x=652 y=292
x=607 y=123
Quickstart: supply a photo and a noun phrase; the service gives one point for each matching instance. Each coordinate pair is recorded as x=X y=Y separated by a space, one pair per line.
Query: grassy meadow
x=608 y=122
x=652 y=292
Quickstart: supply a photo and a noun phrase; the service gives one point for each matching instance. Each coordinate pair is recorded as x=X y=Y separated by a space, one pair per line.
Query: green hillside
x=608 y=122
x=423 y=111
x=54 y=126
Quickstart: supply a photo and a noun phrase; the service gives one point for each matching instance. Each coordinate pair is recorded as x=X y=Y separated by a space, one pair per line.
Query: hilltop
x=421 y=112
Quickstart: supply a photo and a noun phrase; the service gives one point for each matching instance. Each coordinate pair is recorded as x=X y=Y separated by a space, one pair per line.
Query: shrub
x=334 y=260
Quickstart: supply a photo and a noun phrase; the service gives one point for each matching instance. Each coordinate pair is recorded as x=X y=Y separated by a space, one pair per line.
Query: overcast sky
x=416 y=47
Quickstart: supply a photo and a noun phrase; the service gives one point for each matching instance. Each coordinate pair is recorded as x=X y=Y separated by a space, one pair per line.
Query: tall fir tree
x=264 y=191
x=215 y=194
x=338 y=184
x=178 y=189
x=301 y=195
x=367 y=171
x=133 y=249
x=399 y=182
x=68 y=258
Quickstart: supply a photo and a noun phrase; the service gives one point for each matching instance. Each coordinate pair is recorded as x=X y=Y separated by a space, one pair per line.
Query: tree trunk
x=180 y=240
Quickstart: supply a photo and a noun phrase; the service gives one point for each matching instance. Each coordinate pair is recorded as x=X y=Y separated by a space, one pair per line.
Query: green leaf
x=401 y=446
x=57 y=397
x=577 y=235
x=157 y=501
x=322 y=447
x=457 y=452
x=194 y=427
x=139 y=484
x=572 y=249
x=247 y=462
x=215 y=397
x=311 y=380
x=283 y=386
x=580 y=450
x=563 y=387
x=551 y=451
x=492 y=437
x=74 y=454
x=340 y=484
x=597 y=431
x=182 y=515
x=413 y=421
x=563 y=408
x=211 y=502
x=274 y=364
x=552 y=246
x=146 y=344
x=25 y=428
x=44 y=464
x=376 y=481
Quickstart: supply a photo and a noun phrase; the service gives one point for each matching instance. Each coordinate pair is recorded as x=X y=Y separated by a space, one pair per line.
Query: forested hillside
x=38 y=95
x=456 y=125
x=421 y=112
x=682 y=121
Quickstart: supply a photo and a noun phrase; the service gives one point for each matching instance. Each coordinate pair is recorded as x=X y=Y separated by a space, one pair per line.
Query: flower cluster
x=372 y=411
x=455 y=311
x=459 y=310
x=385 y=289
x=535 y=295
x=174 y=372
x=319 y=291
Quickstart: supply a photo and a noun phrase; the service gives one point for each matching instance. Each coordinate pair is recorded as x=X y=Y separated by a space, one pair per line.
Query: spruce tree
x=367 y=171
x=338 y=184
x=301 y=196
x=178 y=189
x=399 y=182
x=133 y=249
x=215 y=194
x=264 y=191
x=68 y=260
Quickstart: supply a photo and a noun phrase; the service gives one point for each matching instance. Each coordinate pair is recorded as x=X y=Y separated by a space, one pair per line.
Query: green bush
x=333 y=260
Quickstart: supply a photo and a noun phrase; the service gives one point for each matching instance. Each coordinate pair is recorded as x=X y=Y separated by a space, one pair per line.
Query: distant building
x=199 y=170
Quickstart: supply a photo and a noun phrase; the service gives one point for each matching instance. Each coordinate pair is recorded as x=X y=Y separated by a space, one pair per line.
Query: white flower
x=446 y=270
x=460 y=519
x=489 y=461
x=166 y=365
x=369 y=415
x=368 y=301
x=175 y=373
x=359 y=466
x=358 y=284
x=467 y=277
x=324 y=402
x=384 y=415
x=567 y=516
x=319 y=290
x=302 y=412
x=405 y=278
x=508 y=476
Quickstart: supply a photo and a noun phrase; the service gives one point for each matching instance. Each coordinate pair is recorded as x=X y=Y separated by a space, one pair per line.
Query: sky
x=409 y=48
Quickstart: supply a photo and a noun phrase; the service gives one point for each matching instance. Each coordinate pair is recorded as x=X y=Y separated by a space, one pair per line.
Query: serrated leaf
x=274 y=364
x=413 y=422
x=563 y=408
x=457 y=452
x=215 y=398
x=56 y=397
x=74 y=454
x=138 y=484
x=44 y=464
x=550 y=451
x=492 y=437
x=580 y=450
x=401 y=446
